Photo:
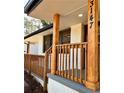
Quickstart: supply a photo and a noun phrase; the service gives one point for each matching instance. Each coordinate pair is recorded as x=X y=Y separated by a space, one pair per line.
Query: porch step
x=73 y=85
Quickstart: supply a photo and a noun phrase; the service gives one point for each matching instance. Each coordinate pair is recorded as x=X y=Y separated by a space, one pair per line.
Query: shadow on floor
x=31 y=85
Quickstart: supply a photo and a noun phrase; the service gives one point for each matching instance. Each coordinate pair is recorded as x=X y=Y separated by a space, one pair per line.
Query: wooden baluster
x=69 y=63
x=32 y=65
x=60 y=59
x=77 y=62
x=37 y=65
x=85 y=47
x=81 y=63
x=45 y=72
x=66 y=60
x=63 y=62
x=40 y=67
x=25 y=61
x=50 y=59
x=72 y=62
x=57 y=54
x=29 y=64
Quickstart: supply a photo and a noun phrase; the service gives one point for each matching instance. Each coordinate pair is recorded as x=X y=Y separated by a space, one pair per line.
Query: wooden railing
x=39 y=65
x=34 y=63
x=71 y=61
x=27 y=62
x=47 y=66
x=48 y=55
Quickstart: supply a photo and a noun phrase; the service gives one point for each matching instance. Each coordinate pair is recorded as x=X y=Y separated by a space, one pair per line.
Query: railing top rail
x=35 y=55
x=48 y=49
x=72 y=44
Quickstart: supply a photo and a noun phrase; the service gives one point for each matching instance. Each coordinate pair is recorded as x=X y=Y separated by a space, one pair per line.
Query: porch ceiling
x=68 y=9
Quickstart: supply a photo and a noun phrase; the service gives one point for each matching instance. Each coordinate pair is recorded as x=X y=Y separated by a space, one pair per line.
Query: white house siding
x=25 y=48
x=40 y=47
x=77 y=33
x=34 y=48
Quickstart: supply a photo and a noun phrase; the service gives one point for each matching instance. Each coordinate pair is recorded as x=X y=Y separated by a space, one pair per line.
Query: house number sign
x=91 y=13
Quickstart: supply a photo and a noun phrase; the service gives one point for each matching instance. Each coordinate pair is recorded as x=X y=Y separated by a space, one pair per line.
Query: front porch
x=77 y=61
x=70 y=72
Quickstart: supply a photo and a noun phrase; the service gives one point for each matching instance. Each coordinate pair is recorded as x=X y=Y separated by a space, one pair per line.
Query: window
x=64 y=38
x=47 y=42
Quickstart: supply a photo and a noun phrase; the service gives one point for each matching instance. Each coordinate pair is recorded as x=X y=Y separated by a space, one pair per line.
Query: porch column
x=55 y=42
x=28 y=47
x=92 y=63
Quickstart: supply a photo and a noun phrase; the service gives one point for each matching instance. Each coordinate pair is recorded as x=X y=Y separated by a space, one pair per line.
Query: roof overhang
x=68 y=10
x=39 y=31
x=31 y=4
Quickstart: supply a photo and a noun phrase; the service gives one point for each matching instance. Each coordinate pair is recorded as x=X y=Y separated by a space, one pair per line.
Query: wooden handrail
x=72 y=44
x=48 y=50
x=35 y=55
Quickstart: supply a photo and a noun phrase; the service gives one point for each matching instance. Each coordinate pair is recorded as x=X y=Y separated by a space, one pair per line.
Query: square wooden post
x=55 y=42
x=92 y=81
x=28 y=47
x=29 y=56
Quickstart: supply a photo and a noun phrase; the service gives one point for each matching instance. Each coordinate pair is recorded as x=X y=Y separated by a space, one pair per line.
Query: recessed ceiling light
x=80 y=15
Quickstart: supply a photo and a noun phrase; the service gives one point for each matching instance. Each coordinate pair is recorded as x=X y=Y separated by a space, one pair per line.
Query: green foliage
x=32 y=24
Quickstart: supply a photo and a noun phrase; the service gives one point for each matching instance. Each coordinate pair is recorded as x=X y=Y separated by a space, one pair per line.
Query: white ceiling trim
x=74 y=10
